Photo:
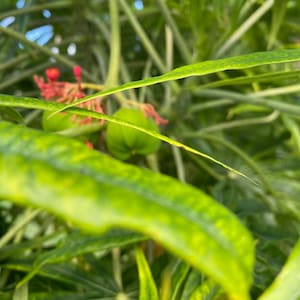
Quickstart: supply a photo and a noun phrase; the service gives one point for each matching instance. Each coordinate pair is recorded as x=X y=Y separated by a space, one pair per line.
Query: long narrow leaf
x=11 y=101
x=148 y=290
x=286 y=285
x=205 y=68
x=78 y=244
x=96 y=193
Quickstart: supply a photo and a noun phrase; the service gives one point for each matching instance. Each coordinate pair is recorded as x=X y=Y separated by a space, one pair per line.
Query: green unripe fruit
x=63 y=121
x=58 y=122
x=123 y=142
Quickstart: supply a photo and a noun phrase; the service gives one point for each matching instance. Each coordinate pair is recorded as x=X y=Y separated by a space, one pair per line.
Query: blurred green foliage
x=223 y=121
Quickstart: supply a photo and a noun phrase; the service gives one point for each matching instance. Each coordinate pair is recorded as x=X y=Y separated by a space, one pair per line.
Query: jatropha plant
x=121 y=141
x=77 y=223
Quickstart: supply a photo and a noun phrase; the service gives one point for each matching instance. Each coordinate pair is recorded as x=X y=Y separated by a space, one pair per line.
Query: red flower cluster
x=66 y=92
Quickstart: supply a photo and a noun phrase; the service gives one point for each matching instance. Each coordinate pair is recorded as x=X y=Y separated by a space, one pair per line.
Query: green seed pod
x=123 y=142
x=58 y=122
x=62 y=121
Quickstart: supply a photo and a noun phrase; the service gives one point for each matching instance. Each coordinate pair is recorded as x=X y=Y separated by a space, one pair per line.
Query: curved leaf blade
x=204 y=68
x=179 y=273
x=208 y=290
x=148 y=290
x=96 y=193
x=11 y=101
x=286 y=285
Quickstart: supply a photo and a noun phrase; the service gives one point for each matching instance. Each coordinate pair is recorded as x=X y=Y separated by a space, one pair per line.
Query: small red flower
x=77 y=75
x=77 y=72
x=52 y=74
x=67 y=92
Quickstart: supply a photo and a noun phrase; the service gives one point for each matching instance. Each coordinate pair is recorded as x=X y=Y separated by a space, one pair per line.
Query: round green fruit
x=58 y=122
x=123 y=142
x=63 y=121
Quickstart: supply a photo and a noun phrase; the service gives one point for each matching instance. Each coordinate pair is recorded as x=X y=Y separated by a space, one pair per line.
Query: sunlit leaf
x=207 y=67
x=95 y=192
x=286 y=285
x=148 y=290
x=12 y=101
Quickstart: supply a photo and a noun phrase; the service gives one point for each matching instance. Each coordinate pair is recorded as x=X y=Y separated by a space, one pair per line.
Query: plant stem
x=178 y=162
x=116 y=252
x=179 y=40
x=295 y=88
x=28 y=9
x=237 y=97
x=96 y=87
x=144 y=38
x=112 y=78
x=106 y=34
x=237 y=123
x=210 y=104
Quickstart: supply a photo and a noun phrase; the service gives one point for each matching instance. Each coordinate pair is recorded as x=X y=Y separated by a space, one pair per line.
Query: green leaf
x=293 y=127
x=204 y=68
x=148 y=290
x=96 y=193
x=193 y=281
x=62 y=295
x=14 y=250
x=12 y=101
x=5 y=296
x=266 y=77
x=286 y=285
x=77 y=244
x=278 y=17
x=72 y=275
x=208 y=290
x=21 y=293
x=179 y=273
x=10 y=114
